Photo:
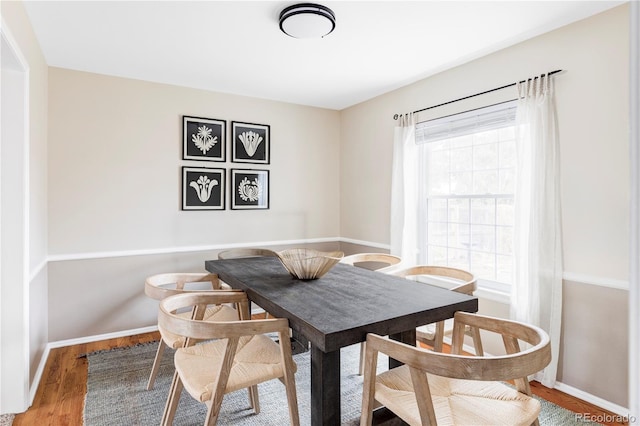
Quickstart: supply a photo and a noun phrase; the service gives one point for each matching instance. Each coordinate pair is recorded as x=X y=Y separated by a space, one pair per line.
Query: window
x=467 y=169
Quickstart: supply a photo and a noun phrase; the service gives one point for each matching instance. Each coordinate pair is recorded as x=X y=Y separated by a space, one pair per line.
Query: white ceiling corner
x=236 y=46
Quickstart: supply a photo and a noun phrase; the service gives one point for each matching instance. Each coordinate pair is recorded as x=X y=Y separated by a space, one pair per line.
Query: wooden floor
x=60 y=396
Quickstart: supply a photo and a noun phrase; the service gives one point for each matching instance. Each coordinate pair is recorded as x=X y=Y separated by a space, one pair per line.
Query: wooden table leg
x=325 y=387
x=408 y=337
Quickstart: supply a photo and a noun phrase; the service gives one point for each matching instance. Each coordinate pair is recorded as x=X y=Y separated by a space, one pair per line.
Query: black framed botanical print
x=203 y=188
x=203 y=138
x=250 y=143
x=249 y=189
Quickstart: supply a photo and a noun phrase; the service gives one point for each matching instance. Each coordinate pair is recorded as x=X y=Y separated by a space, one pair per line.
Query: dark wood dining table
x=338 y=310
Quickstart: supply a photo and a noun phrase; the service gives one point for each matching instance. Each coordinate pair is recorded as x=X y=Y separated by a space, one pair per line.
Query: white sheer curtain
x=537 y=292
x=404 y=191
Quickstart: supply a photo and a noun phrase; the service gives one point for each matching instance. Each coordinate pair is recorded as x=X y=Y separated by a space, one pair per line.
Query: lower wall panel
x=594 y=351
x=98 y=296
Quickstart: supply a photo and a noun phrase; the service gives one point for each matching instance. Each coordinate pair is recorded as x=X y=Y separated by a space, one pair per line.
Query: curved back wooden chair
x=164 y=285
x=437 y=388
x=238 y=253
x=241 y=356
x=383 y=258
x=455 y=280
x=245 y=252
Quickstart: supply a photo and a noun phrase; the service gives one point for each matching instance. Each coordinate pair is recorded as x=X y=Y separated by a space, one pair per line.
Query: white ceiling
x=236 y=46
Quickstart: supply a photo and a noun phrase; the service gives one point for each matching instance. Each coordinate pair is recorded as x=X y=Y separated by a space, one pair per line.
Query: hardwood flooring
x=60 y=396
x=59 y=400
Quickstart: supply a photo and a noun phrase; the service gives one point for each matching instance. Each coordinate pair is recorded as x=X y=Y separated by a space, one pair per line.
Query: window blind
x=465 y=123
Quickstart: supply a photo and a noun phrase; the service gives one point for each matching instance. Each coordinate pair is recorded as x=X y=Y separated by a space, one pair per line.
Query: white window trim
x=493 y=290
x=488 y=289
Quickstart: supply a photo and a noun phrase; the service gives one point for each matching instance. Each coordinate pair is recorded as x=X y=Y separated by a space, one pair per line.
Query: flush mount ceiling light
x=307 y=20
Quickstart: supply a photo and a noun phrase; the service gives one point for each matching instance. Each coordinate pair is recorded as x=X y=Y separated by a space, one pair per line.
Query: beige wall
x=17 y=22
x=115 y=149
x=592 y=102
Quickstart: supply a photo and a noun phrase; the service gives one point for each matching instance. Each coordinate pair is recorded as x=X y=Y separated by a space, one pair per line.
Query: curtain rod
x=396 y=116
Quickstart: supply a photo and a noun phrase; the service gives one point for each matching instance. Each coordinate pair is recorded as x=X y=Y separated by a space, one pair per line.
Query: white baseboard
x=38 y=376
x=97 y=338
x=592 y=399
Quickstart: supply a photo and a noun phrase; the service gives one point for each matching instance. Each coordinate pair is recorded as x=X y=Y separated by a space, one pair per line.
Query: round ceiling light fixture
x=307 y=20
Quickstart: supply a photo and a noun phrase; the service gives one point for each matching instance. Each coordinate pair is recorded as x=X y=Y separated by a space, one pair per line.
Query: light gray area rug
x=6 y=419
x=117 y=395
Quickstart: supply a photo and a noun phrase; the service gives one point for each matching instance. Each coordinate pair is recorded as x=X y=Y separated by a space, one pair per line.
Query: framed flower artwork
x=203 y=139
x=249 y=189
x=203 y=188
x=250 y=143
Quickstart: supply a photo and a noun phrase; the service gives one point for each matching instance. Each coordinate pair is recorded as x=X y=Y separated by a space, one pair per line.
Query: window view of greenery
x=467 y=216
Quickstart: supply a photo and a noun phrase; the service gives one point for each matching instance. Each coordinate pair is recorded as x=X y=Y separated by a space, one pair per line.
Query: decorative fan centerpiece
x=308 y=264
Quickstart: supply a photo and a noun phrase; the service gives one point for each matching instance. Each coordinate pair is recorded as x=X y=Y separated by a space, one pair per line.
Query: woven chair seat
x=257 y=360
x=213 y=313
x=456 y=401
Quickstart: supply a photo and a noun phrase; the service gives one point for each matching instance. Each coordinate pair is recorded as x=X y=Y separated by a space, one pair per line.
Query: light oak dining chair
x=245 y=252
x=161 y=286
x=241 y=356
x=437 y=388
x=454 y=279
x=375 y=262
x=242 y=252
